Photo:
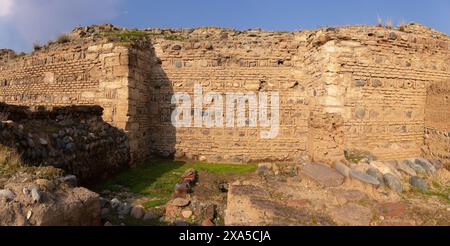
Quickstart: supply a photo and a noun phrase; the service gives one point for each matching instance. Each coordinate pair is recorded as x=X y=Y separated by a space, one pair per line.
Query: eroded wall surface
x=71 y=74
x=340 y=88
x=227 y=61
x=380 y=86
x=437 y=124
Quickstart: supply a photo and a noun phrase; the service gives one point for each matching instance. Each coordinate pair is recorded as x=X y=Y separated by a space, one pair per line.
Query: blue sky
x=24 y=22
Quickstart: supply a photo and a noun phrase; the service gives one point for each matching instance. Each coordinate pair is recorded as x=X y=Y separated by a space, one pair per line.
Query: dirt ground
x=278 y=200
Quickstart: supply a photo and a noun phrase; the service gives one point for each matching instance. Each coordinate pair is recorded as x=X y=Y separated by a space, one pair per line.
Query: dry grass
x=379 y=21
x=389 y=23
x=4 y=116
x=10 y=161
x=62 y=39
x=37 y=47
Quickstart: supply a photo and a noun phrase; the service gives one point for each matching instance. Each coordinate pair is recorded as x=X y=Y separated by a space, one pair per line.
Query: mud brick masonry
x=359 y=87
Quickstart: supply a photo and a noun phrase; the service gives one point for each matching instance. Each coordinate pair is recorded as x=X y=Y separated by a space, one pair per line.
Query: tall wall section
x=85 y=73
x=382 y=77
x=437 y=123
x=228 y=61
x=340 y=88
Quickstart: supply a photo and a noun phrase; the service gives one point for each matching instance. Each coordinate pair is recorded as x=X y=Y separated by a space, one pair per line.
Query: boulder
x=405 y=168
x=105 y=213
x=365 y=178
x=352 y=214
x=115 y=203
x=426 y=165
x=180 y=202
x=342 y=169
x=137 y=212
x=70 y=180
x=385 y=168
x=322 y=174
x=150 y=216
x=376 y=174
x=6 y=195
x=186 y=214
x=419 y=183
x=263 y=170
x=437 y=164
x=393 y=183
x=124 y=209
x=417 y=168
x=67 y=207
x=36 y=195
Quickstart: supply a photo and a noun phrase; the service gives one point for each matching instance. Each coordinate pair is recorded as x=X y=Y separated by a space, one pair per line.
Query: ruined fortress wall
x=81 y=74
x=140 y=116
x=385 y=75
x=340 y=88
x=231 y=62
x=437 y=124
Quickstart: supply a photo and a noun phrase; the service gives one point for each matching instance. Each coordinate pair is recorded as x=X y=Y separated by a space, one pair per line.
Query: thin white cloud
x=40 y=20
x=5 y=7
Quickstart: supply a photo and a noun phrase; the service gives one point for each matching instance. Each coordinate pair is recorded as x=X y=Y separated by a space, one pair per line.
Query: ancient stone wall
x=228 y=61
x=70 y=74
x=74 y=139
x=382 y=80
x=340 y=88
x=437 y=124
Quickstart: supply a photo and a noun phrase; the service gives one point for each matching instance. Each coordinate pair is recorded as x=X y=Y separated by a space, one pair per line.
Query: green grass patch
x=355 y=156
x=438 y=191
x=155 y=203
x=127 y=36
x=157 y=179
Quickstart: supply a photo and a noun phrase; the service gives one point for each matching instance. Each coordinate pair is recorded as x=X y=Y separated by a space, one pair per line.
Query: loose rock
x=322 y=174
x=263 y=170
x=364 y=178
x=393 y=183
x=125 y=209
x=385 y=168
x=70 y=180
x=115 y=203
x=137 y=212
x=180 y=202
x=426 y=165
x=186 y=214
x=376 y=174
x=6 y=195
x=404 y=167
x=36 y=195
x=150 y=216
x=342 y=169
x=104 y=213
x=419 y=183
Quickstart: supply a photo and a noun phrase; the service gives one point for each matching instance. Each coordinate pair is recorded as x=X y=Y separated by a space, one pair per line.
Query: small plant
x=62 y=39
x=9 y=161
x=379 y=21
x=127 y=35
x=402 y=25
x=4 y=116
x=21 y=54
x=389 y=24
x=37 y=47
